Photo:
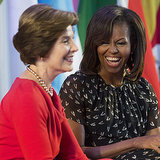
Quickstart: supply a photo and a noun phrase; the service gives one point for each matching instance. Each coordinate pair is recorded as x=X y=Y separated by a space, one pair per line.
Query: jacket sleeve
x=70 y=149
x=29 y=118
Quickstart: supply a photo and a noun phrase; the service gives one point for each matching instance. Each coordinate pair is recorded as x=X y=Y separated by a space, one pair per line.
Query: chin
x=69 y=69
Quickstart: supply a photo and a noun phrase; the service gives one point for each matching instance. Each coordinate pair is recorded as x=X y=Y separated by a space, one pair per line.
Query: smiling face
x=113 y=55
x=61 y=54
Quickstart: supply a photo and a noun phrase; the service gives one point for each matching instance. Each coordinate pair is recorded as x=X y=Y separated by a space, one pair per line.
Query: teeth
x=112 y=59
x=69 y=58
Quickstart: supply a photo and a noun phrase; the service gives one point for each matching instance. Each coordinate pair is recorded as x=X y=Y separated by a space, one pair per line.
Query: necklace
x=41 y=82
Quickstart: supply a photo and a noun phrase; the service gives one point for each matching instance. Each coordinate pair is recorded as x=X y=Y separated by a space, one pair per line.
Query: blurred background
x=10 y=11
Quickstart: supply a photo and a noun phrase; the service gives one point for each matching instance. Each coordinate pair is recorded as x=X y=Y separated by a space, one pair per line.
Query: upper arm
x=79 y=131
x=150 y=101
x=153 y=113
x=29 y=117
x=71 y=95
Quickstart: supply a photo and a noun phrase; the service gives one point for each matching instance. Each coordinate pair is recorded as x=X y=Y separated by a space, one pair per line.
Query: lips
x=113 y=61
x=69 y=58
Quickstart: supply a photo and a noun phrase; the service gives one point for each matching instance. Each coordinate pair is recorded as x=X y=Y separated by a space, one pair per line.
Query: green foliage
x=0 y=1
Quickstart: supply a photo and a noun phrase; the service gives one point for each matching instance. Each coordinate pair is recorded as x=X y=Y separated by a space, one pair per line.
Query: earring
x=124 y=73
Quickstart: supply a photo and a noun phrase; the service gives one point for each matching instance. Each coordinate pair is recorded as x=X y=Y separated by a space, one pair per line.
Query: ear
x=38 y=58
x=42 y=59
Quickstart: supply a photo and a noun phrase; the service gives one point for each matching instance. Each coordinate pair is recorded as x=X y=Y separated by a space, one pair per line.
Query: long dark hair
x=100 y=30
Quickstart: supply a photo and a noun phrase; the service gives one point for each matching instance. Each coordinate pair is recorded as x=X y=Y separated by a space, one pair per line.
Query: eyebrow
x=68 y=36
x=65 y=37
x=120 y=39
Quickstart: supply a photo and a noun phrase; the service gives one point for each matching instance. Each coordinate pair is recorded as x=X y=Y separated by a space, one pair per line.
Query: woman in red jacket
x=33 y=125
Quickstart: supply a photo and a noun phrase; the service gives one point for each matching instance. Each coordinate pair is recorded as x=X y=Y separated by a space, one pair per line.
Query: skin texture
x=61 y=55
x=119 y=48
x=150 y=141
x=60 y=59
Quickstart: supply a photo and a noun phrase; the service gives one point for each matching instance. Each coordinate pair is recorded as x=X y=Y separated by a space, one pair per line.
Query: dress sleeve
x=153 y=110
x=29 y=117
x=72 y=99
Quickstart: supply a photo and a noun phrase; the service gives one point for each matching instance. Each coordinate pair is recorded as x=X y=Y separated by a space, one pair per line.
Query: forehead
x=68 y=31
x=120 y=29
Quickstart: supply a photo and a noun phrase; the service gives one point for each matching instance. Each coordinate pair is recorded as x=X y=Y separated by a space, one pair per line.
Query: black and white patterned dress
x=111 y=114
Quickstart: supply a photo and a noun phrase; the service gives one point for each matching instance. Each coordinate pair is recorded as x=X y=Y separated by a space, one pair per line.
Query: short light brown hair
x=39 y=28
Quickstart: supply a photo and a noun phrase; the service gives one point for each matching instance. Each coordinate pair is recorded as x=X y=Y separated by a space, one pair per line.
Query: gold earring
x=124 y=73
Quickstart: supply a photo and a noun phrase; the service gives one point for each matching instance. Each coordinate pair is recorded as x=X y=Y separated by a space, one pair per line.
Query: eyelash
x=66 y=41
x=121 y=43
x=118 y=43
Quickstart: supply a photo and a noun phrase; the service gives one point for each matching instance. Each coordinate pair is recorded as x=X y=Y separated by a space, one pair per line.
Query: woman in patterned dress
x=112 y=110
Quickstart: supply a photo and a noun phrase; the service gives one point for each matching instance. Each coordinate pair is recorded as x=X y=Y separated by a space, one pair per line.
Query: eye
x=105 y=44
x=121 y=43
x=66 y=41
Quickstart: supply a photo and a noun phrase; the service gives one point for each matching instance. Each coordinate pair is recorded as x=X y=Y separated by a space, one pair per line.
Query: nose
x=74 y=47
x=113 y=48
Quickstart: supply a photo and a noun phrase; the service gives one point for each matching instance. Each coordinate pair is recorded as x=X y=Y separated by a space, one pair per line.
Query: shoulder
x=144 y=88
x=144 y=84
x=80 y=77
x=143 y=81
x=77 y=76
x=140 y=87
x=25 y=98
x=29 y=88
x=23 y=91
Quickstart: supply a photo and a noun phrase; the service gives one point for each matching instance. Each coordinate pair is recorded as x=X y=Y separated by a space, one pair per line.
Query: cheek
x=61 y=53
x=100 y=50
x=67 y=48
x=126 y=52
x=64 y=50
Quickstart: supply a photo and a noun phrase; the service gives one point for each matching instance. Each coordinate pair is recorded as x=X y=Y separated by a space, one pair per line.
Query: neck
x=41 y=82
x=114 y=80
x=43 y=73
